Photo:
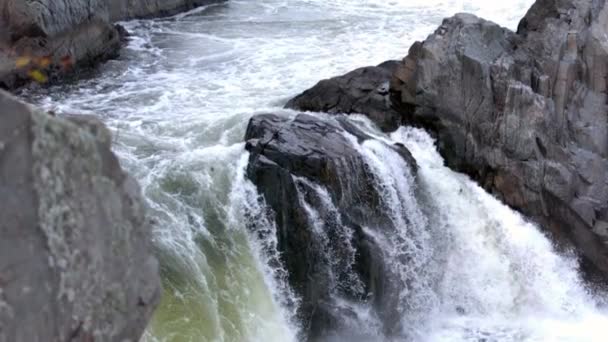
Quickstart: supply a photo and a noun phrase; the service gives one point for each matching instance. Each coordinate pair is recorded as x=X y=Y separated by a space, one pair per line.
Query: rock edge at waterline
x=45 y=40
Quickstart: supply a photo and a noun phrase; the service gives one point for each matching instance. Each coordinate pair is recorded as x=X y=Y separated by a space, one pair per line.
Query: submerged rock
x=75 y=254
x=42 y=39
x=365 y=90
x=329 y=210
x=523 y=113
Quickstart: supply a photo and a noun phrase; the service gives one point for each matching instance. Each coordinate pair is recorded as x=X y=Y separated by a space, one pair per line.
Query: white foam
x=178 y=101
x=503 y=280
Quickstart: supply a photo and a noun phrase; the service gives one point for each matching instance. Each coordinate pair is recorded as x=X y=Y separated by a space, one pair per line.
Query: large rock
x=333 y=215
x=523 y=113
x=75 y=258
x=53 y=36
x=364 y=90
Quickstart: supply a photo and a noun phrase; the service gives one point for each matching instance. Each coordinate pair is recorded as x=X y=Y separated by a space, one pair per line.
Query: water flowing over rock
x=54 y=36
x=349 y=228
x=523 y=113
x=75 y=258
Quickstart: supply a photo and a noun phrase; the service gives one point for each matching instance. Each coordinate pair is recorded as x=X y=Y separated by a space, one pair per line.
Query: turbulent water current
x=178 y=101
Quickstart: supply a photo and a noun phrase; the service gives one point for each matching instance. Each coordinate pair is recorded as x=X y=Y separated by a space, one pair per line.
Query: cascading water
x=408 y=248
x=178 y=101
x=500 y=277
x=335 y=242
x=326 y=221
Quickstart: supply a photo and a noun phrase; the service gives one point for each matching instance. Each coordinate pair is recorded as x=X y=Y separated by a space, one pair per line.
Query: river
x=178 y=101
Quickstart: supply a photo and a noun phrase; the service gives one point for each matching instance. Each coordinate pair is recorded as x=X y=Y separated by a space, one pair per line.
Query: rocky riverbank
x=524 y=113
x=44 y=40
x=75 y=245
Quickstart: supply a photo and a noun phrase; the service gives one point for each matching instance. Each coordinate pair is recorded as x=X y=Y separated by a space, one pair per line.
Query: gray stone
x=71 y=33
x=364 y=90
x=523 y=113
x=75 y=254
x=288 y=159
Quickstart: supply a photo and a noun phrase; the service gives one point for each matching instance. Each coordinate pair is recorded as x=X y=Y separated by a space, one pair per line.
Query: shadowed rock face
x=75 y=258
x=74 y=32
x=308 y=164
x=364 y=90
x=523 y=113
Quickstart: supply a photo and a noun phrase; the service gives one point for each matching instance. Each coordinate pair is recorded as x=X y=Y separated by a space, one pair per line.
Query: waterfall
x=502 y=279
x=223 y=280
x=464 y=266
x=247 y=212
x=335 y=243
x=409 y=247
x=468 y=267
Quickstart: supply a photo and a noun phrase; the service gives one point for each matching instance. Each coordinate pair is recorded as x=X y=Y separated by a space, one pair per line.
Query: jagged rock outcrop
x=323 y=196
x=523 y=113
x=365 y=90
x=41 y=38
x=75 y=254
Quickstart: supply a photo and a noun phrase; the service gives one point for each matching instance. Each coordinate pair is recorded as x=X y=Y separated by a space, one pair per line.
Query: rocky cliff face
x=75 y=259
x=523 y=113
x=332 y=218
x=54 y=36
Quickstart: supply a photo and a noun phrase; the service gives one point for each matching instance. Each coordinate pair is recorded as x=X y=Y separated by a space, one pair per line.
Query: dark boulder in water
x=364 y=90
x=329 y=210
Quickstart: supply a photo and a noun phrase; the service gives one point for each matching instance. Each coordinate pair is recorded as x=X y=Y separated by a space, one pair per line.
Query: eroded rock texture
x=330 y=212
x=523 y=113
x=75 y=258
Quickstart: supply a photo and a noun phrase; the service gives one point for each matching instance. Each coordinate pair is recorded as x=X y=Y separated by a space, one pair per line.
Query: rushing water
x=178 y=101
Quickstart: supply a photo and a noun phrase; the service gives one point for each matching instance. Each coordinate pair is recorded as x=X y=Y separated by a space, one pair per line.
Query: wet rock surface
x=55 y=36
x=322 y=194
x=364 y=90
x=524 y=113
x=75 y=255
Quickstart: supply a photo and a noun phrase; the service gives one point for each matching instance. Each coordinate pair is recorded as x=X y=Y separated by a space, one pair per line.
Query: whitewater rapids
x=178 y=101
